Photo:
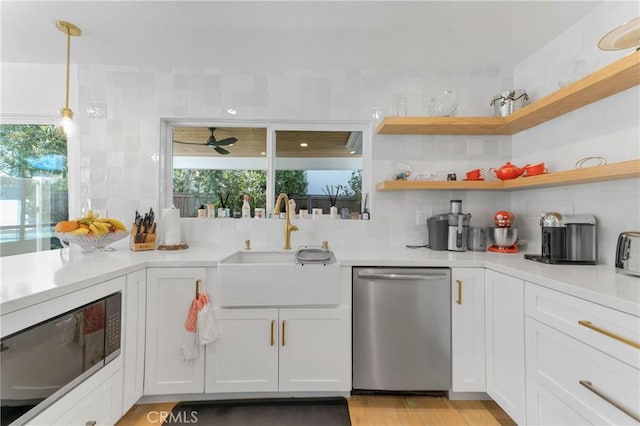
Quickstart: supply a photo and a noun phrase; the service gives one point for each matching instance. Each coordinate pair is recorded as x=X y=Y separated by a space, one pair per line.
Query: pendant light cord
x=66 y=103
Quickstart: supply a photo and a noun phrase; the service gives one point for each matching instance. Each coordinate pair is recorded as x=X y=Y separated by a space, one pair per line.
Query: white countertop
x=33 y=278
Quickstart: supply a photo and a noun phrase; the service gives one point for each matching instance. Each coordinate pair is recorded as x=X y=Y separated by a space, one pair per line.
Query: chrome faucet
x=288 y=227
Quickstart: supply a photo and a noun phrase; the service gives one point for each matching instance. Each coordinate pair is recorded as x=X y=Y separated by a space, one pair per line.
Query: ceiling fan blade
x=187 y=143
x=221 y=150
x=227 y=141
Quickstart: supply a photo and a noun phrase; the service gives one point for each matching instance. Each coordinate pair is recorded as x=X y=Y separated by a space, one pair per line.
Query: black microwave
x=40 y=364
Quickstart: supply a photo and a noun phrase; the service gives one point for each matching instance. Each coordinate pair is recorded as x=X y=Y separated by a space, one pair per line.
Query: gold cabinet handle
x=459 y=301
x=198 y=288
x=273 y=323
x=587 y=384
x=283 y=333
x=91 y=423
x=608 y=333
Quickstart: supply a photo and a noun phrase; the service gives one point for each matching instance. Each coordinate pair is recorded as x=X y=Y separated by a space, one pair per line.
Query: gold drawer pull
x=273 y=322
x=283 y=332
x=609 y=334
x=587 y=384
x=459 y=301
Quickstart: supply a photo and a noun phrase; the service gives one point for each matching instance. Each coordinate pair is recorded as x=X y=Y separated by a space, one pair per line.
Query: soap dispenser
x=246 y=208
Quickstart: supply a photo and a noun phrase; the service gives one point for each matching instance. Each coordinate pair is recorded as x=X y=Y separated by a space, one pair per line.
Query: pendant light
x=65 y=117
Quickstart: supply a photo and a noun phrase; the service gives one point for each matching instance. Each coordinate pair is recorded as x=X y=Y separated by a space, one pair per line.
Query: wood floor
x=377 y=411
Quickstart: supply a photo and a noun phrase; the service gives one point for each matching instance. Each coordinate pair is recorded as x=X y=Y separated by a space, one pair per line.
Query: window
x=320 y=169
x=309 y=162
x=33 y=187
x=219 y=166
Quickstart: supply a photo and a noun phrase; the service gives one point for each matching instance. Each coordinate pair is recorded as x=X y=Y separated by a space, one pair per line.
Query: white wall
x=609 y=128
x=120 y=154
x=119 y=160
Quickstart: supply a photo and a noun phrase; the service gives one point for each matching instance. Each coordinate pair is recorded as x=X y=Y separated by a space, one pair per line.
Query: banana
x=105 y=228
x=116 y=224
x=79 y=231
x=96 y=231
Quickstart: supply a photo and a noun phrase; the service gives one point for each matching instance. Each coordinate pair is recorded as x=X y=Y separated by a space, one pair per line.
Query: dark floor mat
x=262 y=412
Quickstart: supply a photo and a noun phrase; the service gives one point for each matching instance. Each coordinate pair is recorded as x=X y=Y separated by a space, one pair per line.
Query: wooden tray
x=180 y=246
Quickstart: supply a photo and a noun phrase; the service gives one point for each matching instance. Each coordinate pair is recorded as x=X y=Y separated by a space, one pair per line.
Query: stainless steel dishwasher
x=401 y=329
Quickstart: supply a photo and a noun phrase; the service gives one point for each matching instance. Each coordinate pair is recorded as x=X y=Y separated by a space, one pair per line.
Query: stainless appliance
x=567 y=239
x=454 y=236
x=503 y=236
x=458 y=227
x=40 y=364
x=477 y=239
x=628 y=253
x=401 y=329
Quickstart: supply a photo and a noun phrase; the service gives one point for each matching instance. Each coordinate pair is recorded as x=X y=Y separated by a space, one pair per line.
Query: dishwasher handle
x=401 y=277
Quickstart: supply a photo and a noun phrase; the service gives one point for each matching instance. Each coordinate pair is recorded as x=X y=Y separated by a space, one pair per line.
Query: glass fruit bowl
x=90 y=242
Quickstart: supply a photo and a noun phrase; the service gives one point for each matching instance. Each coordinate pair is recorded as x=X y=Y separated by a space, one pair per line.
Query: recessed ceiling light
x=352 y=152
x=304 y=144
x=263 y=153
x=231 y=111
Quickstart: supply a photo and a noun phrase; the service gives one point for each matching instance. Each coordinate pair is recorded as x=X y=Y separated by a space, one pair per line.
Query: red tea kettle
x=508 y=171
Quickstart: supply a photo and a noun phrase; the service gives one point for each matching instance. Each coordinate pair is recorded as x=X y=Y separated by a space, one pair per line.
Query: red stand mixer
x=504 y=236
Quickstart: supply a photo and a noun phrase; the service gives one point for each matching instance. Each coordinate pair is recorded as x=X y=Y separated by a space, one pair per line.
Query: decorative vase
x=333 y=212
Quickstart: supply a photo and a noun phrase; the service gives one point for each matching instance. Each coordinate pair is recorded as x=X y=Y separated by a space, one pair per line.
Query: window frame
x=73 y=155
x=166 y=147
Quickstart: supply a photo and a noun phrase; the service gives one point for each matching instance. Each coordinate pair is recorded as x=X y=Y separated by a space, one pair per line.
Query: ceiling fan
x=214 y=143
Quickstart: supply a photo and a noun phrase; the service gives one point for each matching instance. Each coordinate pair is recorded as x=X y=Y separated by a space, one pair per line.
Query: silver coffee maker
x=567 y=239
x=458 y=227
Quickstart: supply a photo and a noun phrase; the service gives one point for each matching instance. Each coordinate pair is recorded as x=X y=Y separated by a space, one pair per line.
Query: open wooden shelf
x=404 y=185
x=622 y=170
x=609 y=80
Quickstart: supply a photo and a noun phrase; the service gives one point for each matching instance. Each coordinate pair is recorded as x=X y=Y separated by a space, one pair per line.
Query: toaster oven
x=628 y=253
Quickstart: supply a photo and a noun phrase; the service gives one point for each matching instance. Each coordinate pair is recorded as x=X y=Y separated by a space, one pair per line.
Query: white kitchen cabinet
x=468 y=330
x=170 y=292
x=101 y=407
x=292 y=349
x=314 y=350
x=544 y=408
x=133 y=338
x=245 y=358
x=504 y=297
x=594 y=372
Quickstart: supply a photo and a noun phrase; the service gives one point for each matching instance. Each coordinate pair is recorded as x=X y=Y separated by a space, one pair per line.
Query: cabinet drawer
x=544 y=408
x=564 y=366
x=566 y=313
x=102 y=407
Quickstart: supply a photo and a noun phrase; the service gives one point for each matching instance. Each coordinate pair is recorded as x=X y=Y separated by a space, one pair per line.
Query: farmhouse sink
x=277 y=278
x=249 y=257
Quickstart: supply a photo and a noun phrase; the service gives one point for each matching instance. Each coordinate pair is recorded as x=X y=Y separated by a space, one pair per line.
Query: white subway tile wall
x=120 y=154
x=609 y=128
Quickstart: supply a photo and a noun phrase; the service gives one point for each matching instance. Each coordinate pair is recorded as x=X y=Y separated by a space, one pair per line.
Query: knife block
x=148 y=244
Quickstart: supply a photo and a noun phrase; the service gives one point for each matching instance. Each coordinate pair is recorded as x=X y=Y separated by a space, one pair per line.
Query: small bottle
x=246 y=208
x=292 y=209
